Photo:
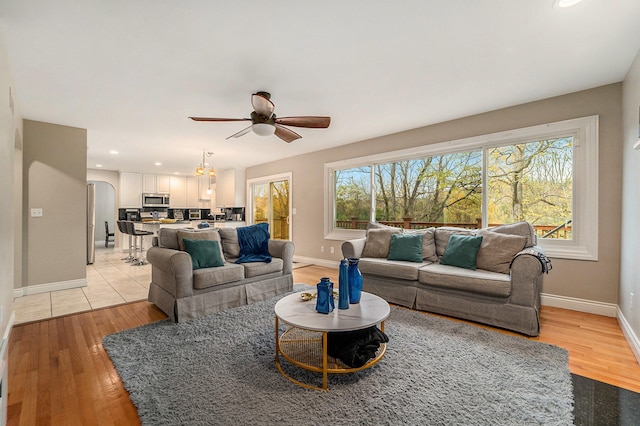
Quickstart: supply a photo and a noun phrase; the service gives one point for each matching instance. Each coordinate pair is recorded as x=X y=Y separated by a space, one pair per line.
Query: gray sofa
x=184 y=293
x=503 y=290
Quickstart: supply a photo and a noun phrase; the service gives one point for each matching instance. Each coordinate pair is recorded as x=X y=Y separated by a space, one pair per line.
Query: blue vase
x=324 y=299
x=355 y=281
x=343 y=285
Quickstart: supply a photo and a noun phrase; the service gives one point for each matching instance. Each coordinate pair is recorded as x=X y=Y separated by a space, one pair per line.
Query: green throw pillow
x=462 y=251
x=204 y=253
x=406 y=247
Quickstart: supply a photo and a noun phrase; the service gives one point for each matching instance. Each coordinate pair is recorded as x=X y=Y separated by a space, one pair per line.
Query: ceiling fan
x=265 y=123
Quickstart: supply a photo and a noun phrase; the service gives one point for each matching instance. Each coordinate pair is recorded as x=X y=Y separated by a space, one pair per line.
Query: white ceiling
x=131 y=72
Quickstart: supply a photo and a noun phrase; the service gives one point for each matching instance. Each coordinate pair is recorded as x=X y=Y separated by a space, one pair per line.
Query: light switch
x=37 y=213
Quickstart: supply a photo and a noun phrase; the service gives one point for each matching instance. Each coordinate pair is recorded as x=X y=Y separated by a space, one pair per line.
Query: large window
x=546 y=175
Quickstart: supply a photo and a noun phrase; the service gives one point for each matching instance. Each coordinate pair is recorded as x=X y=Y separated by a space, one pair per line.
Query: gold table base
x=307 y=349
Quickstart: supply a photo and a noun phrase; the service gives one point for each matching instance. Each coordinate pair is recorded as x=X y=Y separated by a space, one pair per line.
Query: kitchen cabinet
x=149 y=184
x=163 y=184
x=178 y=192
x=203 y=186
x=192 y=192
x=156 y=184
x=230 y=189
x=130 y=190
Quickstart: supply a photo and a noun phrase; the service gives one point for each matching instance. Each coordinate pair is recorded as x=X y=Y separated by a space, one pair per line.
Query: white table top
x=298 y=313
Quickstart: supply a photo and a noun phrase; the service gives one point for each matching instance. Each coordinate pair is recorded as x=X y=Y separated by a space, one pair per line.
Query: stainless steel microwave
x=155 y=200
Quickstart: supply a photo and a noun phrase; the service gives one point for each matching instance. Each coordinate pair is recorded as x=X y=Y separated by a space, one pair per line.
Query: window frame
x=584 y=130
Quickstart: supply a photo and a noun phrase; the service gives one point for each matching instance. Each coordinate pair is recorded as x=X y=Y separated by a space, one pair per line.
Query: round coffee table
x=304 y=343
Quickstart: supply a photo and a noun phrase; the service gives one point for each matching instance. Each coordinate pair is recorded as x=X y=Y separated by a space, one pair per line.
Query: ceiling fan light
x=263 y=129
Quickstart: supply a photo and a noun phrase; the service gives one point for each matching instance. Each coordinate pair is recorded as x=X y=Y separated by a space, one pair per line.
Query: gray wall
x=10 y=146
x=54 y=179
x=597 y=281
x=630 y=253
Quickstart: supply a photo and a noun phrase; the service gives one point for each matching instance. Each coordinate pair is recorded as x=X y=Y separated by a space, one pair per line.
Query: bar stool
x=135 y=233
x=122 y=227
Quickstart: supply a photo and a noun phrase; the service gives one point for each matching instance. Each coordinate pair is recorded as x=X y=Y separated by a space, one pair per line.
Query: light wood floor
x=59 y=373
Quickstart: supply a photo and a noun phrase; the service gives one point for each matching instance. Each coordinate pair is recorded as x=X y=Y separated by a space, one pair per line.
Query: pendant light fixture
x=200 y=170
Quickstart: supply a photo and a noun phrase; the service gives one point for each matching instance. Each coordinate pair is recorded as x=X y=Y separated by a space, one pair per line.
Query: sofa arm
x=527 y=269
x=353 y=248
x=284 y=250
x=172 y=270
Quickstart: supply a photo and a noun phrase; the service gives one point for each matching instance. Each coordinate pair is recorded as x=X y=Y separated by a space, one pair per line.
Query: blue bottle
x=324 y=299
x=355 y=281
x=343 y=285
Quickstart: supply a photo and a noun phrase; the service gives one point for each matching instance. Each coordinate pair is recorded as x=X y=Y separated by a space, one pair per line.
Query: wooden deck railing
x=547 y=231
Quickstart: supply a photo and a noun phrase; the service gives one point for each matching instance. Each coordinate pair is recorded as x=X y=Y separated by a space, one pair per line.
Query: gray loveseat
x=502 y=289
x=184 y=293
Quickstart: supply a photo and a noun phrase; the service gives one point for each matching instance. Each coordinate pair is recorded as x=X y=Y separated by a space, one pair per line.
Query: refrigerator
x=91 y=223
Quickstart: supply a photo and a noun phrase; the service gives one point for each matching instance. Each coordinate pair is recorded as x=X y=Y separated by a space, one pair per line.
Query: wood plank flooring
x=59 y=374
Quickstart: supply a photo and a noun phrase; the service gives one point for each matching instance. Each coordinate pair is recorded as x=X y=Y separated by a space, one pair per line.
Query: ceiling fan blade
x=240 y=133
x=305 y=121
x=262 y=105
x=286 y=134
x=218 y=119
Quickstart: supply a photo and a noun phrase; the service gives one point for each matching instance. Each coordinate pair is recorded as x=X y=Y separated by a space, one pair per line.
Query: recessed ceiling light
x=157 y=163
x=98 y=165
x=114 y=152
x=565 y=3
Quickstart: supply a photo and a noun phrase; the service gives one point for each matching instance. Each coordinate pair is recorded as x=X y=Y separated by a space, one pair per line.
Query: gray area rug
x=220 y=370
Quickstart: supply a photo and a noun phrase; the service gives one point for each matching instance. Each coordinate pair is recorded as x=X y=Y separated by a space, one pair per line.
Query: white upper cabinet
x=192 y=192
x=152 y=184
x=130 y=190
x=230 y=189
x=149 y=184
x=163 y=184
x=178 y=194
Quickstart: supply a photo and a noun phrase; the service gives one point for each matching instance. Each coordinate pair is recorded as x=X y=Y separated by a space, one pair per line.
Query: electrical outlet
x=333 y=250
x=37 y=213
x=321 y=249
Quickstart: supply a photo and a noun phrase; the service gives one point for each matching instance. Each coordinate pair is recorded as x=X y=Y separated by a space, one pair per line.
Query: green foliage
x=530 y=181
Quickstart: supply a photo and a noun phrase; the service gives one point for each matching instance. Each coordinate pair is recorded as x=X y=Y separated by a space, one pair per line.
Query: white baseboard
x=320 y=262
x=631 y=337
x=44 y=288
x=580 y=305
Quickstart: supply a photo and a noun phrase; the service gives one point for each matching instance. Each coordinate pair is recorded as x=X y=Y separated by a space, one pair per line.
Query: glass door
x=270 y=203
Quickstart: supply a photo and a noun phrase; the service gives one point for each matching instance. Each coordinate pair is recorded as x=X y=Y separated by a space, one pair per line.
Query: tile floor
x=110 y=281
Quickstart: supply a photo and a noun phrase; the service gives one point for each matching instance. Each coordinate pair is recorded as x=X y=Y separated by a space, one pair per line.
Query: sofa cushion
x=519 y=228
x=443 y=233
x=230 y=244
x=428 y=242
x=406 y=247
x=193 y=234
x=462 y=251
x=498 y=250
x=255 y=269
x=204 y=253
x=378 y=240
x=454 y=278
x=390 y=268
x=167 y=238
x=211 y=277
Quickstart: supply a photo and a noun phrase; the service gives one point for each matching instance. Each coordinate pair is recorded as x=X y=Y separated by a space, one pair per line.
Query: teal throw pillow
x=406 y=247
x=204 y=253
x=462 y=251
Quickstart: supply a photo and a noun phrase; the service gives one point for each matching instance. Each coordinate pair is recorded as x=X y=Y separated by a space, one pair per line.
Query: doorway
x=269 y=201
x=104 y=209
